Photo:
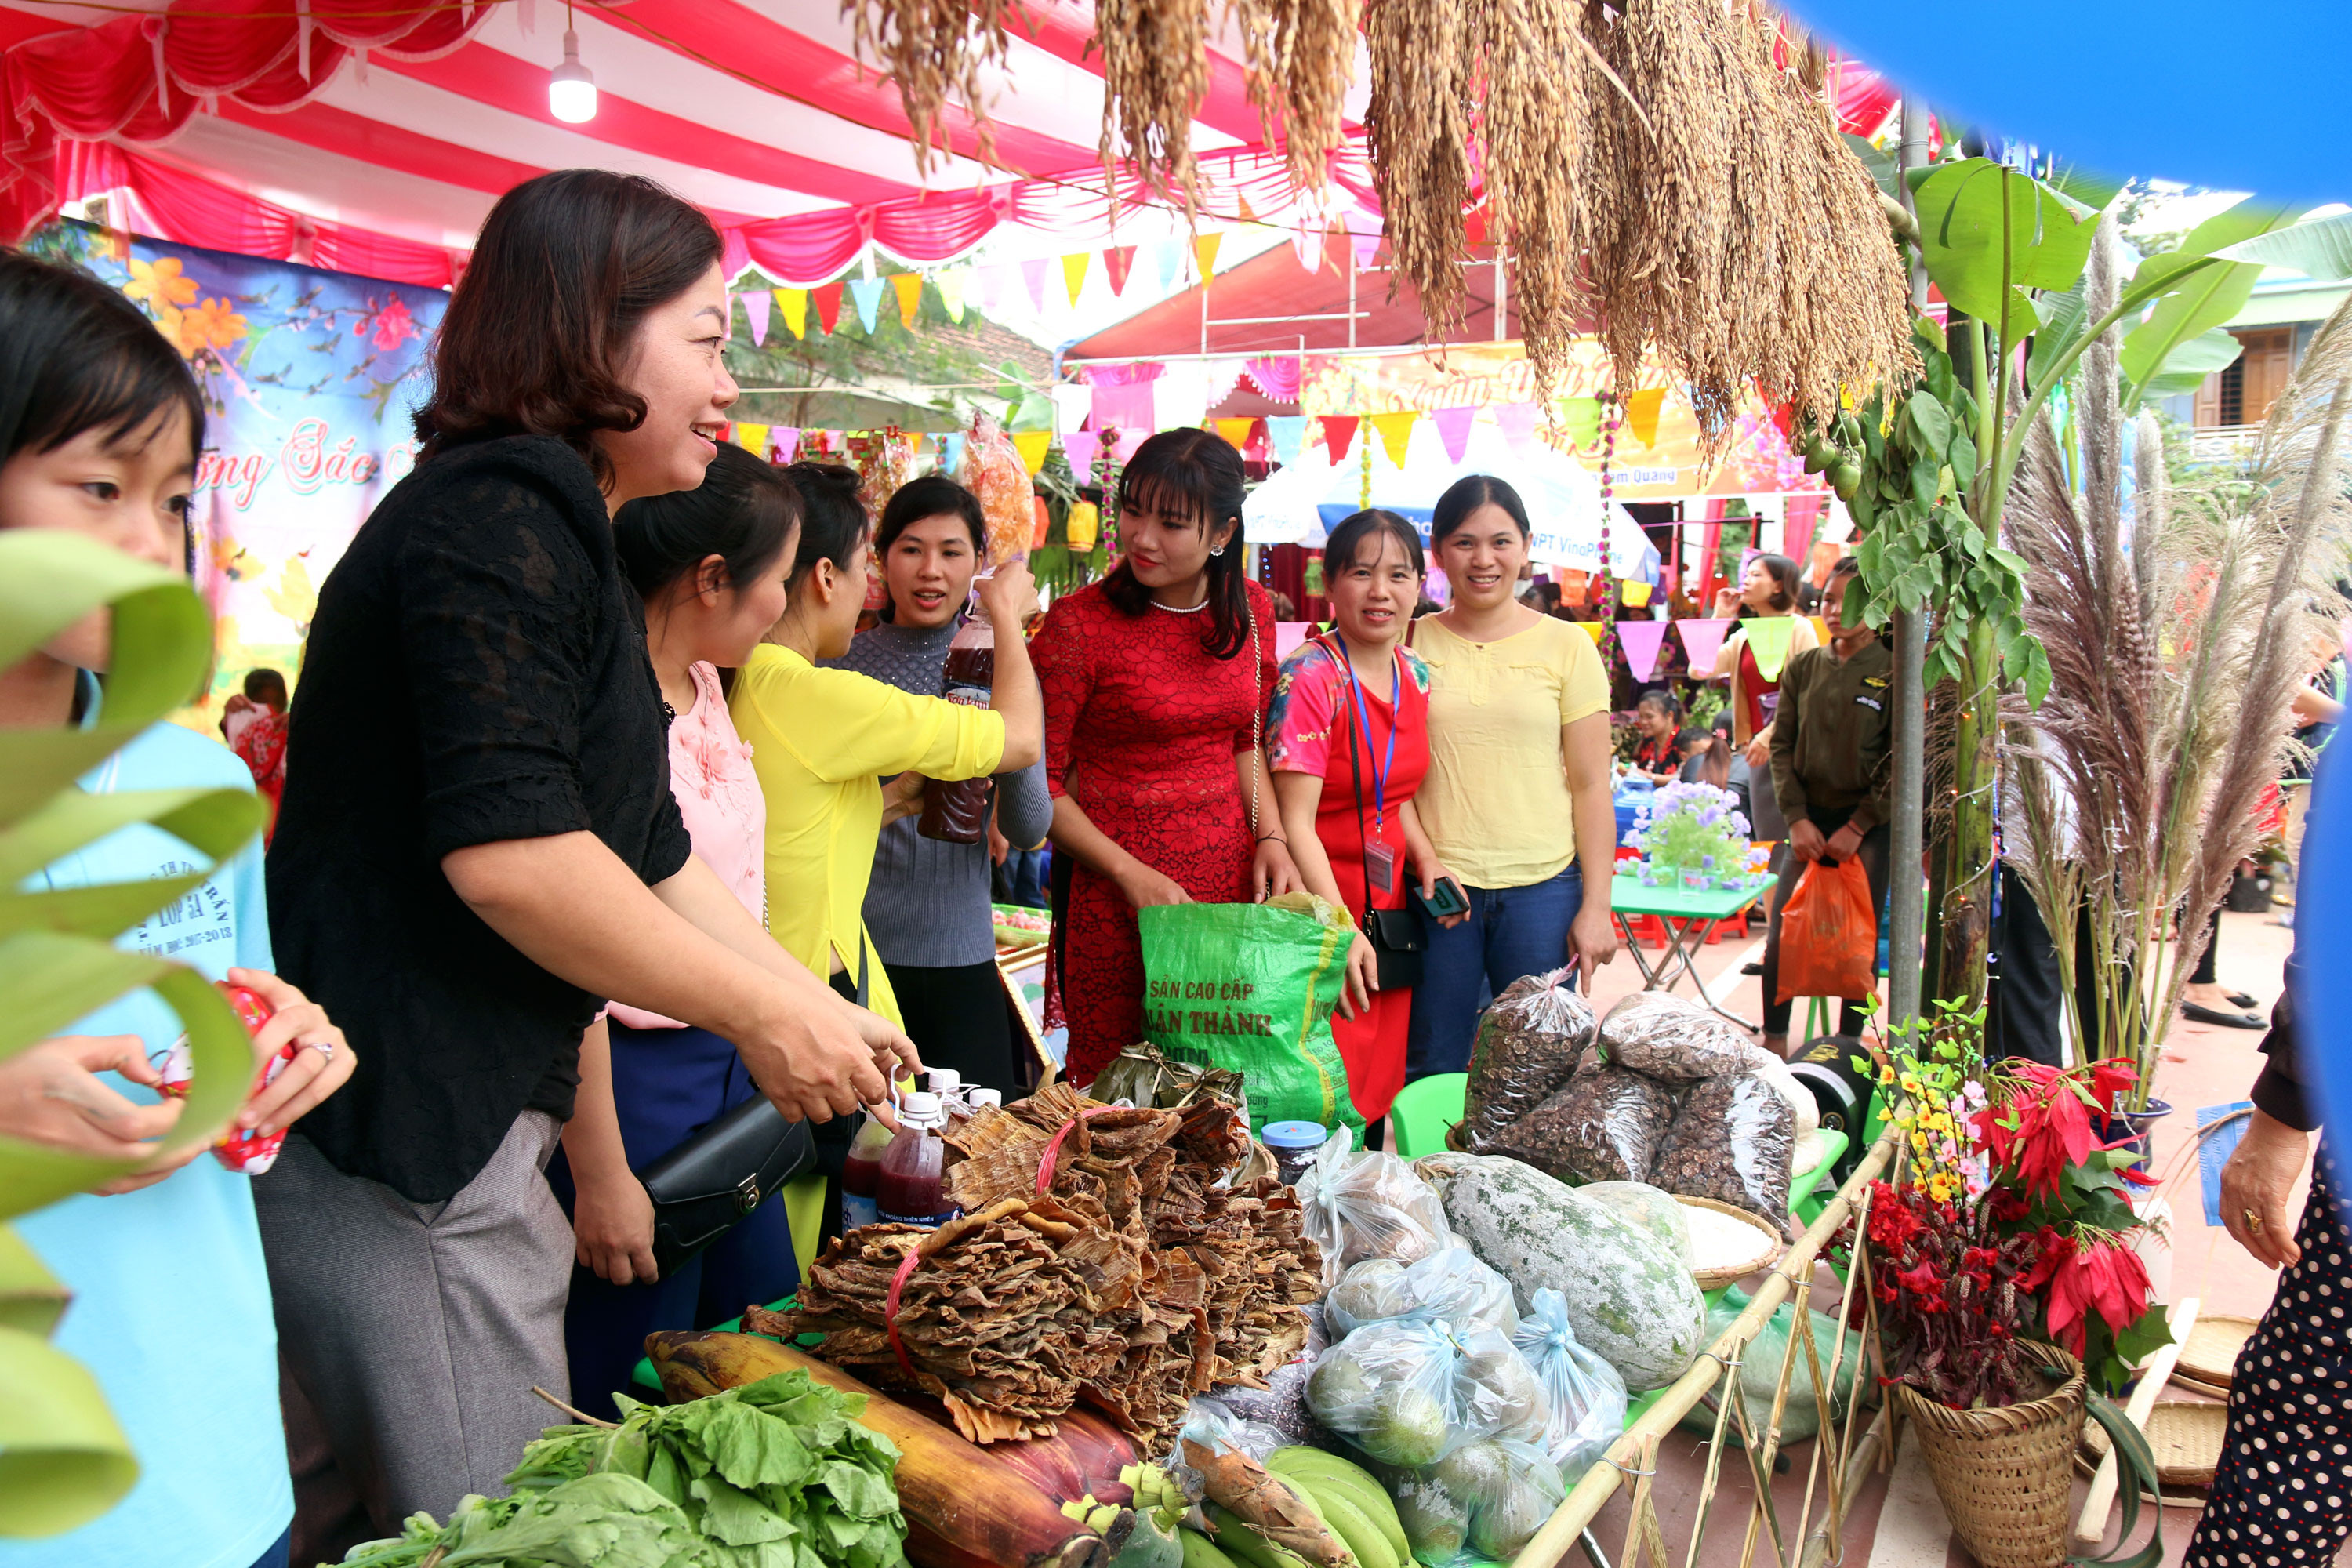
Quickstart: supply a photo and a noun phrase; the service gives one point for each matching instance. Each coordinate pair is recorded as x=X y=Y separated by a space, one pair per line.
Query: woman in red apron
x=1348 y=742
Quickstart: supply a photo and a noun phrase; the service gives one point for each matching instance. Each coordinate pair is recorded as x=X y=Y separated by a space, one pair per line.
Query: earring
x=1216 y=550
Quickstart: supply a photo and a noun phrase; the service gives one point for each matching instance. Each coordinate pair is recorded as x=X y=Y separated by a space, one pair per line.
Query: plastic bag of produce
x=1409 y=1390
x=1652 y=1208
x=1675 y=1038
x=1369 y=1204
x=1583 y=1395
x=1529 y=1044
x=992 y=469
x=1224 y=1460
x=1605 y=1126
x=1281 y=1405
x=1760 y=1372
x=1732 y=1141
x=1453 y=1285
x=1505 y=1489
x=1251 y=987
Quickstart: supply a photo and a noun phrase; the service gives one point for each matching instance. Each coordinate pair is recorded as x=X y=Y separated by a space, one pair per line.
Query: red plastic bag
x=1829 y=934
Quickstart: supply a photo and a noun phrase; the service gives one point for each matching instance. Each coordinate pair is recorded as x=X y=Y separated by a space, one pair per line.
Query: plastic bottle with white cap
x=911 y=1191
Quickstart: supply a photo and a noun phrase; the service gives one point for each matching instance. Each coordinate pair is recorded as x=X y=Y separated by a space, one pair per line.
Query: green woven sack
x=1251 y=987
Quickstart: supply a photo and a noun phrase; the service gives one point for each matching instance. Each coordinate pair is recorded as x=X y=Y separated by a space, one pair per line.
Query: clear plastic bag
x=1676 y=1039
x=1605 y=1126
x=1733 y=1141
x=1652 y=1208
x=992 y=469
x=1410 y=1391
x=1760 y=1372
x=1453 y=1285
x=1529 y=1044
x=1368 y=1205
x=1211 y=1422
x=1505 y=1489
x=1584 y=1396
x=1281 y=1405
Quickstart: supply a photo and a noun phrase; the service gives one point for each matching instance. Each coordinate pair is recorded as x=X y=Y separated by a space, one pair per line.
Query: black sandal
x=2197 y=1012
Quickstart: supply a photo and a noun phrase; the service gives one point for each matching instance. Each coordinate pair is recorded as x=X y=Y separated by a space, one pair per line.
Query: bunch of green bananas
x=1349 y=1501
x=1835 y=456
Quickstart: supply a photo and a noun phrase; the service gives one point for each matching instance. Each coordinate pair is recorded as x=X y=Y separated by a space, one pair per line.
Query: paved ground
x=1896 y=1521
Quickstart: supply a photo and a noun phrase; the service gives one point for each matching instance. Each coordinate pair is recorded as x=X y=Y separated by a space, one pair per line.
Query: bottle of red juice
x=910 y=1191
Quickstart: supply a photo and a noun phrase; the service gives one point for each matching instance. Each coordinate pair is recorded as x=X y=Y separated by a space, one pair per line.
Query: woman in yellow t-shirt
x=824 y=740
x=1518 y=798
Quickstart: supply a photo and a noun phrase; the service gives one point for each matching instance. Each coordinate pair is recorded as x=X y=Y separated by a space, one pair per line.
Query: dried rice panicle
x=1533 y=70
x=1298 y=59
x=934 y=50
x=1417 y=128
x=1155 y=71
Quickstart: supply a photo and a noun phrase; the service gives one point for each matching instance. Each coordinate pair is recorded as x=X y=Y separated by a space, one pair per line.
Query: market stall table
x=1686 y=913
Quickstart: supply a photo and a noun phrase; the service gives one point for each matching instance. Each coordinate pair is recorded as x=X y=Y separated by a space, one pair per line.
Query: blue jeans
x=1511 y=932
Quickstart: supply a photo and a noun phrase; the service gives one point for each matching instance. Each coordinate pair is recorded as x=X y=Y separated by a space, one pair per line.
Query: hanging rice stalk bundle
x=1532 y=70
x=1298 y=57
x=1417 y=127
x=935 y=51
x=1155 y=71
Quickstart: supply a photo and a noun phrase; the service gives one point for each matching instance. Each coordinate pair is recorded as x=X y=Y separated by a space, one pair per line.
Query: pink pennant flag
x=1033 y=273
x=1642 y=641
x=783 y=440
x=1080 y=446
x=1517 y=423
x=755 y=310
x=1702 y=639
x=988 y=282
x=1453 y=429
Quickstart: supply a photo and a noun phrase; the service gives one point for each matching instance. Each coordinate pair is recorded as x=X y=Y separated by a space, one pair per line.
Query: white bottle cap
x=921 y=1108
x=981 y=1098
x=945 y=1081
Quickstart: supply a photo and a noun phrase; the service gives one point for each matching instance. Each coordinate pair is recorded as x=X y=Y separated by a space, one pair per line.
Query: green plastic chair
x=1419 y=1118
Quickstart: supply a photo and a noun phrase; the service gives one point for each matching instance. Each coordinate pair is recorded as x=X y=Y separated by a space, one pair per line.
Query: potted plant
x=1693 y=834
x=2002 y=1274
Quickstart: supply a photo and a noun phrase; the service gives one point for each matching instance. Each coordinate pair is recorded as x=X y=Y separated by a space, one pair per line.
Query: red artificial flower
x=2009 y=1204
x=1920 y=1279
x=2038 y=1129
x=2106 y=1276
x=2050 y=1250
x=2112 y=1077
x=2138 y=1177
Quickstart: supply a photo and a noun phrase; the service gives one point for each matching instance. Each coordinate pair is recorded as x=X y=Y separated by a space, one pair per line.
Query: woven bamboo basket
x=1769 y=1245
x=2211 y=1355
x=2006 y=1475
x=2184 y=1434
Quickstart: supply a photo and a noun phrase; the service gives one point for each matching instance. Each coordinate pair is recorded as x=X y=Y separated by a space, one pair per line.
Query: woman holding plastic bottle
x=928 y=905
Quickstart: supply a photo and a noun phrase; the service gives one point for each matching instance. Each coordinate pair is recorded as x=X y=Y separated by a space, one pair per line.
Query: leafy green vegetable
x=776 y=1473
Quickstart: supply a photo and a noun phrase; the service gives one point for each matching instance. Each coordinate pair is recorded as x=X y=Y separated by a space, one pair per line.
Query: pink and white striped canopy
x=372 y=135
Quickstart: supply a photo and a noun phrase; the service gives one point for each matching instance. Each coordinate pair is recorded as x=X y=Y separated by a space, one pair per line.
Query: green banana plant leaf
x=2186 y=368
x=2137 y=1463
x=1987 y=231
x=2206 y=296
x=2321 y=249
x=64 y=1460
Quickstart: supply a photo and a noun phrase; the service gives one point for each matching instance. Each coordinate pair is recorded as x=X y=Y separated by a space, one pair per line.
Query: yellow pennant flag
x=752 y=438
x=910 y=286
x=1596 y=630
x=1821 y=629
x=1205 y=252
x=1641 y=413
x=1396 y=432
x=1074 y=273
x=1034 y=444
x=1768 y=640
x=793 y=302
x=1236 y=432
x=952 y=282
x=1634 y=591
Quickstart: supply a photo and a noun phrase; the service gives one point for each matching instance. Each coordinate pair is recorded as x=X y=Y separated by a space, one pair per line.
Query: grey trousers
x=416 y=1330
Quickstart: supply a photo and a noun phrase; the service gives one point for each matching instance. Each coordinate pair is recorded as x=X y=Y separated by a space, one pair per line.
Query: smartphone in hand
x=1449 y=899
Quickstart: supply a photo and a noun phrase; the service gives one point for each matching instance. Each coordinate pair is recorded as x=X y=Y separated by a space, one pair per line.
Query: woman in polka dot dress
x=2282 y=1495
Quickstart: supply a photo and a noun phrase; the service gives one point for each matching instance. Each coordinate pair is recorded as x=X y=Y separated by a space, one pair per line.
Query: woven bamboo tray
x=1769 y=1246
x=2184 y=1434
x=2211 y=1354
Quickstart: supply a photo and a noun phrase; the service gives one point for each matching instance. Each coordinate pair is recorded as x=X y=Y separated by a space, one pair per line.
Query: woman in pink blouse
x=710 y=565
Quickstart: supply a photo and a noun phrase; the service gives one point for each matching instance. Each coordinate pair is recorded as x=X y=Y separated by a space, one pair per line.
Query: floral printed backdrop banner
x=309 y=378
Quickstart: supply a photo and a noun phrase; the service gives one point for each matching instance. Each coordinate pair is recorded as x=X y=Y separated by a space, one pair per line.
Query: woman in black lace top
x=478 y=847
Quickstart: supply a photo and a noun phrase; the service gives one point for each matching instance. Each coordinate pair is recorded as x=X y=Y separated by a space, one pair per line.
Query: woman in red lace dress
x=260 y=738
x=1155 y=679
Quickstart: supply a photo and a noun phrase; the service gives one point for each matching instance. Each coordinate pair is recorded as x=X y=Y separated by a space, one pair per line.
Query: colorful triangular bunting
x=1453 y=429
x=1236 y=432
x=1641 y=413
x=785 y=440
x=1338 y=435
x=866 y=293
x=1702 y=639
x=1642 y=640
x=1581 y=417
x=752 y=438
x=910 y=287
x=1205 y=254
x=1034 y=444
x=1768 y=640
x=795 y=304
x=1074 y=274
x=951 y=285
x=1033 y=273
x=1517 y=423
x=1116 y=261
x=755 y=310
x=1396 y=432
x=827 y=296
x=1287 y=433
x=1080 y=446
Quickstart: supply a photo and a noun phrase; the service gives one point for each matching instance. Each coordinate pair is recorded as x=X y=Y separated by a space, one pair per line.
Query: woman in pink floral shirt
x=710 y=565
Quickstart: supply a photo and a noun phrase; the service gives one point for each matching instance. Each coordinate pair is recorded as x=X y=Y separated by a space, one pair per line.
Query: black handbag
x=704 y=1187
x=1395 y=935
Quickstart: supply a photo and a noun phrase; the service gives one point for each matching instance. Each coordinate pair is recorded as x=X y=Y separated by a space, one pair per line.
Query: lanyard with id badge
x=1395 y=935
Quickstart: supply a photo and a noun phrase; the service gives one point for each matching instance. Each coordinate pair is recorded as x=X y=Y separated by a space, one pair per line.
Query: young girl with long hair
x=1155 y=679
x=928 y=905
x=99 y=427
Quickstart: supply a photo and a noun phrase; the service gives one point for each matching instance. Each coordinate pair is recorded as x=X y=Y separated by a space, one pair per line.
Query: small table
x=1687 y=912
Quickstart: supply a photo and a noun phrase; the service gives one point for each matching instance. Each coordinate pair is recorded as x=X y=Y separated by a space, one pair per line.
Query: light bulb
x=571 y=90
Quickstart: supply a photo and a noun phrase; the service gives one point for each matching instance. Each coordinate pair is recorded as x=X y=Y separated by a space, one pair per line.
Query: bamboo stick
x=1551 y=1543
x=2091 y=1528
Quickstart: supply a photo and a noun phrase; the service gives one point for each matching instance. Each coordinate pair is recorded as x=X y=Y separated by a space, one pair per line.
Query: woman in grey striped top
x=927 y=907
